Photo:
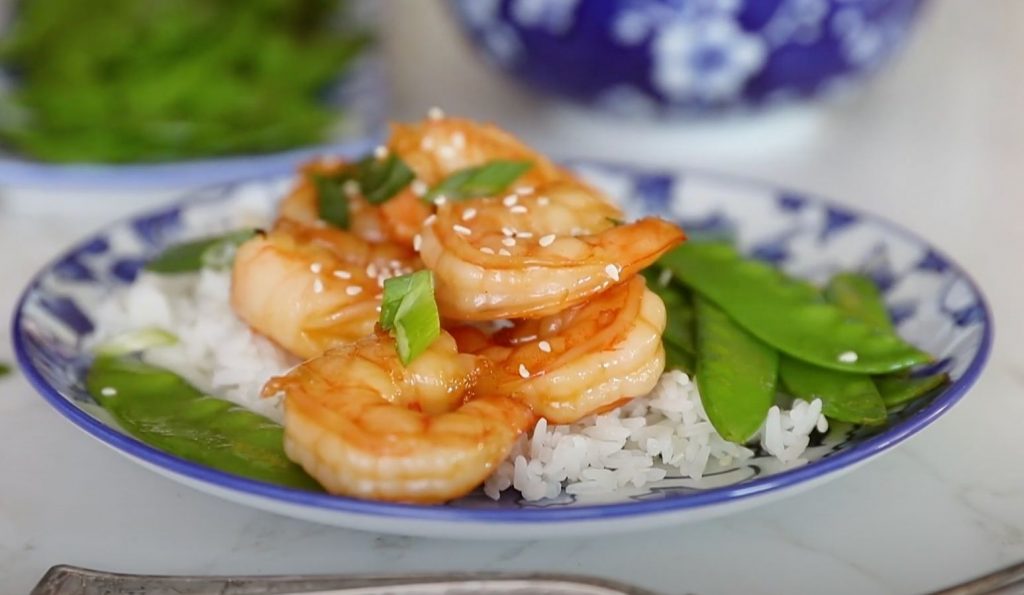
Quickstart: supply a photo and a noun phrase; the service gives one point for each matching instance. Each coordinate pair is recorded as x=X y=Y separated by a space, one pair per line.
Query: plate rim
x=327 y=503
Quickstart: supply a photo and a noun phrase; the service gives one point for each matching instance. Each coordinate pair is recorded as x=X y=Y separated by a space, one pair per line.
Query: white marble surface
x=936 y=143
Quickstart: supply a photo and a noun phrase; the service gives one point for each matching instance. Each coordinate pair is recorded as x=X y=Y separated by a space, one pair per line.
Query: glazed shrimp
x=535 y=255
x=312 y=288
x=580 y=361
x=364 y=425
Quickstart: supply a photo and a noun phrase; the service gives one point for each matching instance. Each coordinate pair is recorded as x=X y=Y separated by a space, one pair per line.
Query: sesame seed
x=665 y=277
x=504 y=252
x=318 y=286
x=371 y=270
x=543 y=201
x=342 y=274
x=523 y=371
x=350 y=188
x=417 y=241
x=468 y=214
x=510 y=200
x=547 y=240
x=427 y=143
x=446 y=152
x=544 y=346
x=377 y=308
x=430 y=220
x=435 y=113
x=524 y=190
x=395 y=263
x=353 y=290
x=524 y=234
x=462 y=229
x=108 y=391
x=508 y=231
x=518 y=209
x=612 y=271
x=508 y=242
x=459 y=140
x=380 y=152
x=576 y=231
x=419 y=187
x=378 y=296
x=848 y=357
x=486 y=250
x=440 y=200
x=316 y=267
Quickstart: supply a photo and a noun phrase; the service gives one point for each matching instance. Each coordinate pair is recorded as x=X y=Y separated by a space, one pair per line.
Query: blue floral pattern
x=935 y=304
x=687 y=56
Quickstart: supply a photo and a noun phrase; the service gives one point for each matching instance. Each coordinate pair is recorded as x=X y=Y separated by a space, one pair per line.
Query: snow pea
x=857 y=295
x=678 y=359
x=678 y=311
x=897 y=390
x=163 y=410
x=736 y=373
x=788 y=314
x=844 y=396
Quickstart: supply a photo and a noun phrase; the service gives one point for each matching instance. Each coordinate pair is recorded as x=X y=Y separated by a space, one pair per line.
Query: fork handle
x=70 y=580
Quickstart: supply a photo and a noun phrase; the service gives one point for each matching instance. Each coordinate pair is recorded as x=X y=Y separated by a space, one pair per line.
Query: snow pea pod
x=678 y=359
x=788 y=314
x=844 y=396
x=736 y=373
x=163 y=410
x=858 y=296
x=898 y=389
x=679 y=315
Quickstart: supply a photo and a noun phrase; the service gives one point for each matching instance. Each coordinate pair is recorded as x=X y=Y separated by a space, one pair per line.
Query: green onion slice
x=488 y=179
x=409 y=312
x=135 y=341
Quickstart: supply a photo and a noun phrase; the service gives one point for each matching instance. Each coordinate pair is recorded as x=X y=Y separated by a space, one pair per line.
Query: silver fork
x=69 y=580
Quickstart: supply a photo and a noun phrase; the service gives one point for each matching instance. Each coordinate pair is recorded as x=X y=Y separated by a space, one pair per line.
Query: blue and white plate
x=936 y=306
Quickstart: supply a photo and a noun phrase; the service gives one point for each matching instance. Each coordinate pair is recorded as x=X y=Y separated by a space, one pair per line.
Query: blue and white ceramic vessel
x=933 y=301
x=666 y=57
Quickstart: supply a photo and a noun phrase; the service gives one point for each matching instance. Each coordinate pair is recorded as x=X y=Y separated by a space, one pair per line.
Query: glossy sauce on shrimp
x=364 y=425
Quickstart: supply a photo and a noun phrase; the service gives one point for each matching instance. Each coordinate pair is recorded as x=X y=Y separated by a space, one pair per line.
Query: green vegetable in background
x=409 y=311
x=736 y=373
x=844 y=396
x=160 y=80
x=5 y=369
x=189 y=257
x=164 y=411
x=488 y=179
x=788 y=314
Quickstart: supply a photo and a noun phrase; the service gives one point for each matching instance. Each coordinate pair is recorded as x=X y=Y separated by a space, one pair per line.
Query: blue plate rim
x=860 y=452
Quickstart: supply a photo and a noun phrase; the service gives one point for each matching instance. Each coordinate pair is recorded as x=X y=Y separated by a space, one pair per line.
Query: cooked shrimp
x=364 y=425
x=535 y=255
x=580 y=361
x=437 y=147
x=311 y=288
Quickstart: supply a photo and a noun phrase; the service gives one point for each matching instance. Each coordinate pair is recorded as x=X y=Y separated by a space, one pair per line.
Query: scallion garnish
x=409 y=312
x=135 y=341
x=191 y=256
x=331 y=202
x=488 y=179
x=381 y=179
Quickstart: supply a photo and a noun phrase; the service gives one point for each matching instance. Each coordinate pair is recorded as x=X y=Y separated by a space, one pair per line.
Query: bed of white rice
x=665 y=433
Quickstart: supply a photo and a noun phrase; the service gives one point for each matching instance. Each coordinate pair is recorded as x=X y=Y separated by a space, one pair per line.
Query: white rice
x=663 y=433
